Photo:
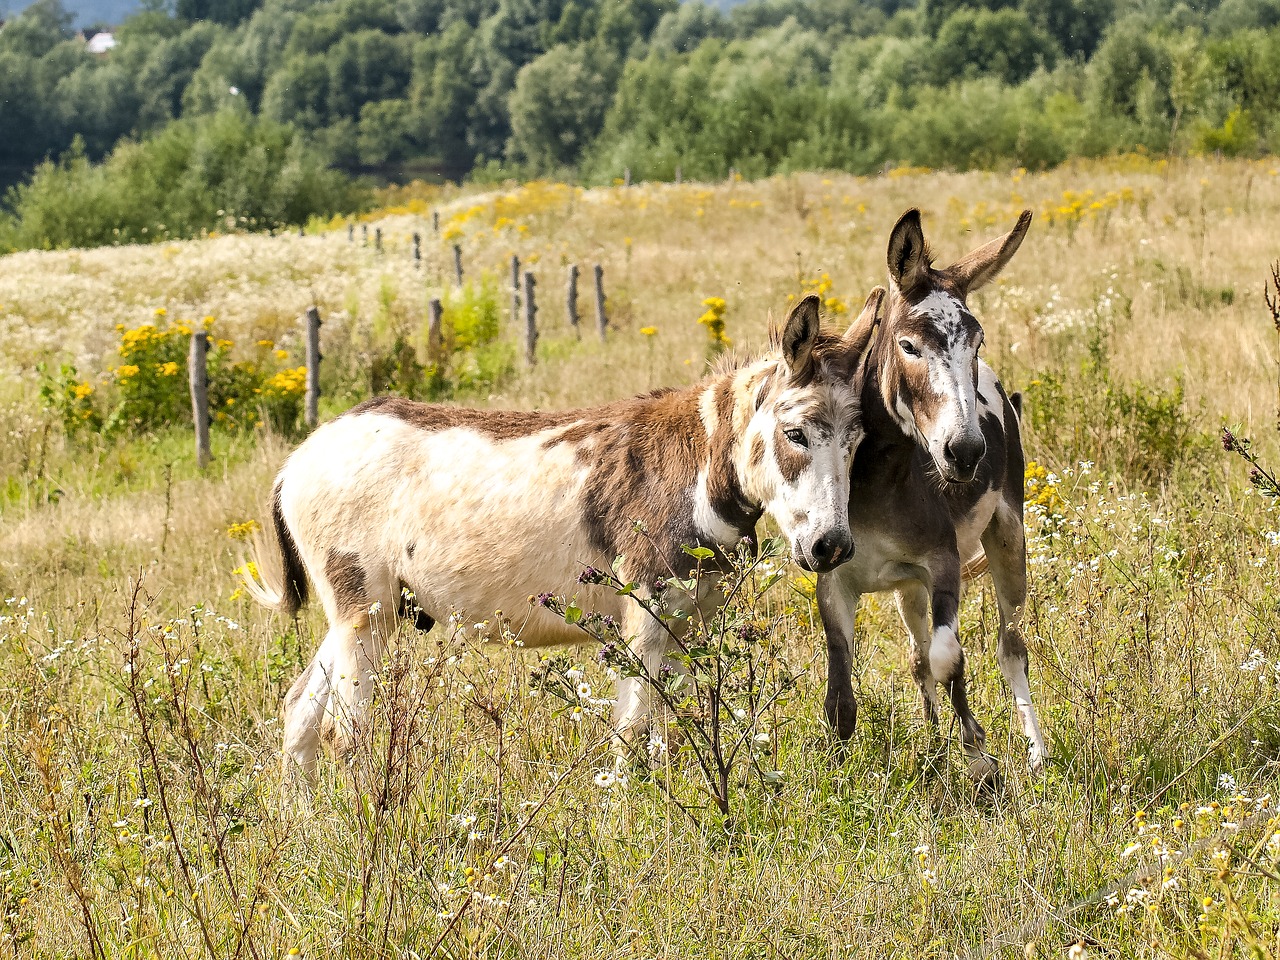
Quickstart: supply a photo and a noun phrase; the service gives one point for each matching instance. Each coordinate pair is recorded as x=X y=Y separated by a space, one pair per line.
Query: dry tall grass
x=140 y=806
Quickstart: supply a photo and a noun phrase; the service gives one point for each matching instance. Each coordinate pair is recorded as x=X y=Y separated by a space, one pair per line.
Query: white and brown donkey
x=937 y=481
x=477 y=510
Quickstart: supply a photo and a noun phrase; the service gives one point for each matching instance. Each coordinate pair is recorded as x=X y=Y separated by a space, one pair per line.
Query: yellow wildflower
x=242 y=531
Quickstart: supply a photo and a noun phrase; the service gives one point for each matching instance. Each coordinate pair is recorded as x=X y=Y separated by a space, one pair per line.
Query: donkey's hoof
x=842 y=715
x=984 y=771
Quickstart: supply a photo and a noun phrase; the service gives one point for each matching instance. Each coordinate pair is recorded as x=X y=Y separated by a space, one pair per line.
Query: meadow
x=141 y=803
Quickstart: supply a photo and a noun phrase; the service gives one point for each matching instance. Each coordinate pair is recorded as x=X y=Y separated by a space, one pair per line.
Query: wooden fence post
x=435 y=221
x=312 y=412
x=198 y=371
x=679 y=176
x=377 y=239
x=626 y=176
x=530 y=324
x=435 y=330
x=515 y=289
x=417 y=250
x=351 y=233
x=602 y=321
x=457 y=264
x=302 y=231
x=364 y=234
x=571 y=299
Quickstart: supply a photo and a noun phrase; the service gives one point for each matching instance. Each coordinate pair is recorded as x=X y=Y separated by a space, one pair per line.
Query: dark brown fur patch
x=791 y=460
x=496 y=424
x=757 y=451
x=642 y=467
x=346 y=577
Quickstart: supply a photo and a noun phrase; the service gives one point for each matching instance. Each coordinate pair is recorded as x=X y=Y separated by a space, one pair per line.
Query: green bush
x=149 y=389
x=219 y=172
x=1139 y=432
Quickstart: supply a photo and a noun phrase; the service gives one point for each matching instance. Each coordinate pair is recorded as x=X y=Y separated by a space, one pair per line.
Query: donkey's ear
x=798 y=335
x=908 y=254
x=982 y=266
x=859 y=333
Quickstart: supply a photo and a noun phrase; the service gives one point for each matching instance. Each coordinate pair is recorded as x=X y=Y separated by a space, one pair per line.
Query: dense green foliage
x=590 y=87
x=211 y=172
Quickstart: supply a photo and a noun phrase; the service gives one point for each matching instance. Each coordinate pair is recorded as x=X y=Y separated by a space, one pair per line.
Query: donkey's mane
x=733 y=359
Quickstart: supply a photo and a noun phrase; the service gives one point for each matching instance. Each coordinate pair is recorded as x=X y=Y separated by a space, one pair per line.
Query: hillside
x=589 y=90
x=486 y=816
x=84 y=12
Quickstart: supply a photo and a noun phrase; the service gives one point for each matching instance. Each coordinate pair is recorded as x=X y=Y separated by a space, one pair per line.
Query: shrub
x=218 y=172
x=150 y=390
x=1132 y=430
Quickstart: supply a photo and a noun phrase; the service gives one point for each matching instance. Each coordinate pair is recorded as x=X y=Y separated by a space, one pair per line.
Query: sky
x=85 y=11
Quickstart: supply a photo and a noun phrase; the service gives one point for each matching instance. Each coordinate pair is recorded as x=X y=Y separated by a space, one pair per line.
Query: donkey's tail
x=974 y=567
x=273 y=574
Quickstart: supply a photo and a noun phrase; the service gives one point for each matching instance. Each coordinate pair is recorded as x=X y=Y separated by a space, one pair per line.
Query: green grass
x=141 y=805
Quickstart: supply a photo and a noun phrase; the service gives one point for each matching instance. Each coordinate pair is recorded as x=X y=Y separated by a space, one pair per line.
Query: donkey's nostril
x=831 y=549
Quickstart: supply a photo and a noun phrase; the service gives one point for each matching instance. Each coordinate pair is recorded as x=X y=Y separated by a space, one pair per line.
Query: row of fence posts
x=522 y=295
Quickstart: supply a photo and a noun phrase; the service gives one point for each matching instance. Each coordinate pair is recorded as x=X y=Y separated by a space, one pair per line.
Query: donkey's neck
x=882 y=424
x=726 y=407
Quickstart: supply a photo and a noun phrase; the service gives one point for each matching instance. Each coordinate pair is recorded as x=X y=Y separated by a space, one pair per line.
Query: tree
x=228 y=12
x=996 y=43
x=37 y=29
x=559 y=103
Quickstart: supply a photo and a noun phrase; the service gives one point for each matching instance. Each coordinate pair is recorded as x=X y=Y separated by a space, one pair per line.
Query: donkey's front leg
x=647 y=640
x=838 y=606
x=946 y=660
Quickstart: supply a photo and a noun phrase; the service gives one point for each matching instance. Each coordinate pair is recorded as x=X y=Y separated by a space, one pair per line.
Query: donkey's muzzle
x=827 y=552
x=962 y=458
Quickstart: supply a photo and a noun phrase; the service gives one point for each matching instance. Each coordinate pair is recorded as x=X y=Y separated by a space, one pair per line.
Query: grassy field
x=141 y=810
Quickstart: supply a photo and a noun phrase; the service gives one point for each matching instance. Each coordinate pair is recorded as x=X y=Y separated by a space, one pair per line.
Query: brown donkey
x=936 y=483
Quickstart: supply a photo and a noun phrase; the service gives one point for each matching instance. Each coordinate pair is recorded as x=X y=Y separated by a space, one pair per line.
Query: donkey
x=936 y=482
x=475 y=511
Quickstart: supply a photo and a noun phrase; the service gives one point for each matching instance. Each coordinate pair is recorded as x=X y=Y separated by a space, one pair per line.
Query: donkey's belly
x=486 y=525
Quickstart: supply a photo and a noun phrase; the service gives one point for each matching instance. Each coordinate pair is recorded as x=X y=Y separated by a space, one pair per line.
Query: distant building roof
x=100 y=43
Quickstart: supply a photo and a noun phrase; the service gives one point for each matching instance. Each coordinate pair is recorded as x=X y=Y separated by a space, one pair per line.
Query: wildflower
x=584 y=690
x=590 y=575
x=648 y=331
x=242 y=531
x=605 y=779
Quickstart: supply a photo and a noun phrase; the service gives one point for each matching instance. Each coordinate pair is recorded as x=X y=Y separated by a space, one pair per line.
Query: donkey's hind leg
x=367 y=607
x=304 y=710
x=1005 y=547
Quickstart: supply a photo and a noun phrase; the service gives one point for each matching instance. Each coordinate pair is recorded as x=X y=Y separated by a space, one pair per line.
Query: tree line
x=586 y=88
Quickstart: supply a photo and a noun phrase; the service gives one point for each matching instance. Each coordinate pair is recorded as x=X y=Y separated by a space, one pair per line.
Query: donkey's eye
x=909 y=348
x=797 y=437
